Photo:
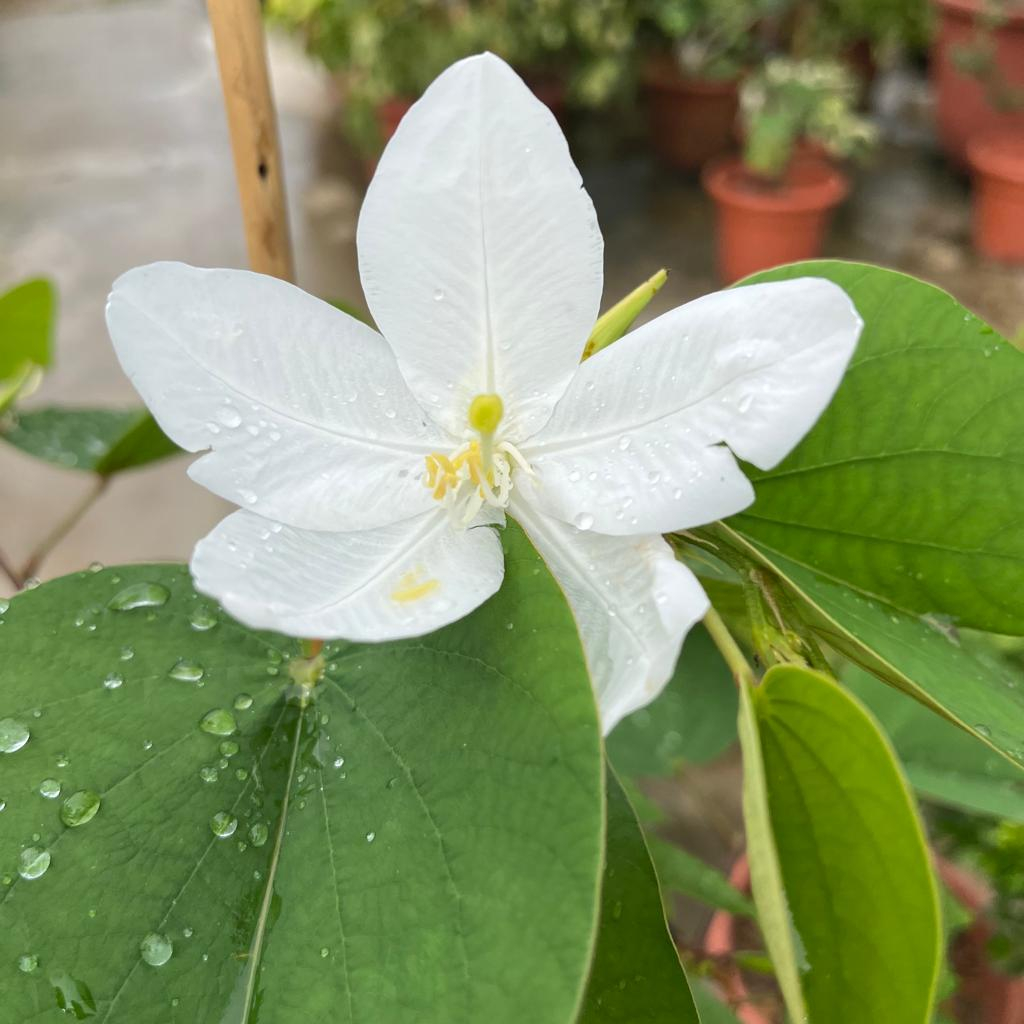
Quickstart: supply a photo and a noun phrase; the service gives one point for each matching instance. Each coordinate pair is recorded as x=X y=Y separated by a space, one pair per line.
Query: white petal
x=633 y=604
x=479 y=249
x=635 y=444
x=307 y=416
x=402 y=580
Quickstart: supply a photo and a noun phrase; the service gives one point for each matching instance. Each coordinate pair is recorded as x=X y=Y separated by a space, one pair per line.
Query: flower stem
x=62 y=529
x=729 y=649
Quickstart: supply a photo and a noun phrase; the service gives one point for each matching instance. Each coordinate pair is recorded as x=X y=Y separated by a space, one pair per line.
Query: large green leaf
x=694 y=718
x=26 y=326
x=422 y=843
x=913 y=654
x=104 y=441
x=856 y=875
x=636 y=975
x=942 y=762
x=910 y=486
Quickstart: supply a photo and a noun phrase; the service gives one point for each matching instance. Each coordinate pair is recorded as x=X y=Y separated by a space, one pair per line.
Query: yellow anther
x=485 y=413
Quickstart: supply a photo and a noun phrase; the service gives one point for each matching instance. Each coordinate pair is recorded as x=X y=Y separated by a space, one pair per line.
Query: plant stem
x=62 y=529
x=729 y=649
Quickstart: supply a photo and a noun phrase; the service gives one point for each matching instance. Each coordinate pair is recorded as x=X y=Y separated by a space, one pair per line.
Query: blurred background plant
x=789 y=101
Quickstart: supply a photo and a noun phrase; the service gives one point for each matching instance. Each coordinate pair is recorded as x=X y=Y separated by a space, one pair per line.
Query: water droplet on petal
x=79 y=808
x=584 y=521
x=219 y=722
x=156 y=949
x=223 y=825
x=33 y=862
x=139 y=595
x=13 y=735
x=229 y=416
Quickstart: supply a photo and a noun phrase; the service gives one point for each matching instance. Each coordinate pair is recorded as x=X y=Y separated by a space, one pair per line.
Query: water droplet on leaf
x=243 y=702
x=79 y=808
x=13 y=735
x=139 y=595
x=50 y=788
x=156 y=949
x=187 y=671
x=28 y=963
x=33 y=862
x=223 y=825
x=219 y=722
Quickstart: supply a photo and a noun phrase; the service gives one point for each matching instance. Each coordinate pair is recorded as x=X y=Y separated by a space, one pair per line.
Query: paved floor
x=115 y=153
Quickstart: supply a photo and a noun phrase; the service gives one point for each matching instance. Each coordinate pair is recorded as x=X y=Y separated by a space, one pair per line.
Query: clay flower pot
x=998 y=215
x=691 y=120
x=762 y=225
x=963 y=107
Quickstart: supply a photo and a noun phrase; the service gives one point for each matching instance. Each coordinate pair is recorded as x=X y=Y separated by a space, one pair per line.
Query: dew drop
x=3 y=805
x=156 y=949
x=243 y=702
x=127 y=653
x=79 y=808
x=28 y=963
x=338 y=762
x=33 y=862
x=745 y=403
x=983 y=731
x=187 y=671
x=229 y=748
x=223 y=825
x=13 y=735
x=139 y=595
x=4 y=605
x=324 y=952
x=439 y=295
x=203 y=619
x=624 y=443
x=219 y=722
x=50 y=788
x=370 y=836
x=229 y=417
x=584 y=521
x=208 y=773
x=258 y=833
x=113 y=681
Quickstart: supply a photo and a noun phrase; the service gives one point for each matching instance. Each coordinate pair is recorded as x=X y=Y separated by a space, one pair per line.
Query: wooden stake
x=242 y=57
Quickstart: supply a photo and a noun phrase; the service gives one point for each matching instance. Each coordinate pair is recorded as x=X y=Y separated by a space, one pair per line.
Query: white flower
x=368 y=469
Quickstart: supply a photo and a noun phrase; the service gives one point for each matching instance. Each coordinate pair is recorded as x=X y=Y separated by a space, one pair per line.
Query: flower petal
x=633 y=604
x=307 y=416
x=479 y=249
x=634 y=445
x=402 y=580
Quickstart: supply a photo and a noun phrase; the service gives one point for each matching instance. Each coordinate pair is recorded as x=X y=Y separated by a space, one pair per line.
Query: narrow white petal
x=636 y=443
x=402 y=580
x=479 y=249
x=306 y=414
x=633 y=604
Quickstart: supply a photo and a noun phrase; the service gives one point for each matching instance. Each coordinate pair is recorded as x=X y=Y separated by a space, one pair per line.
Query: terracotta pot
x=998 y=214
x=760 y=226
x=720 y=941
x=963 y=107
x=984 y=995
x=691 y=120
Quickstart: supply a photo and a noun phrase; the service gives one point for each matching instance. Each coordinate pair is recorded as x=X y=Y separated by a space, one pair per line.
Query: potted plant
x=977 y=69
x=773 y=203
x=691 y=78
x=384 y=53
x=997 y=162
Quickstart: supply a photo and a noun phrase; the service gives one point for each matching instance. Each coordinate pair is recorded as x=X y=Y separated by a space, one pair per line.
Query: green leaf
x=856 y=875
x=942 y=762
x=422 y=843
x=26 y=326
x=910 y=486
x=712 y=1010
x=912 y=654
x=636 y=975
x=681 y=872
x=694 y=718
x=103 y=441
x=766 y=880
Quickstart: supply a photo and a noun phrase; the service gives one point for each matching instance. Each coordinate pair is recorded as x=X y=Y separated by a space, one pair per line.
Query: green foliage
x=101 y=441
x=681 y=872
x=943 y=763
x=841 y=874
x=389 y=49
x=910 y=485
x=421 y=841
x=27 y=314
x=787 y=101
x=636 y=976
x=693 y=720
